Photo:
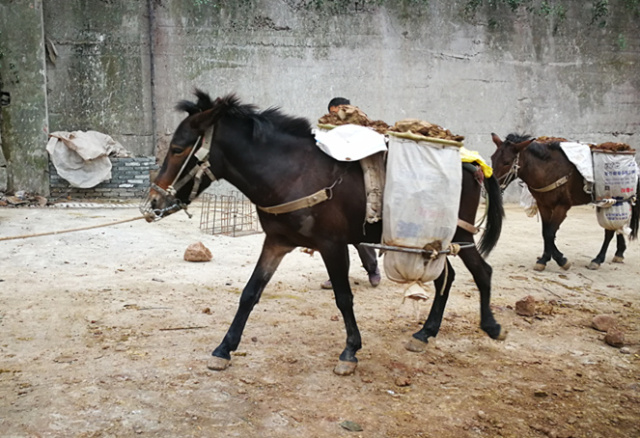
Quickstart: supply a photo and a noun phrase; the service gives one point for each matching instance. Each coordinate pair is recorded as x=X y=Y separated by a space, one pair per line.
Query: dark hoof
x=345 y=368
x=375 y=278
x=326 y=285
x=502 y=335
x=416 y=345
x=218 y=364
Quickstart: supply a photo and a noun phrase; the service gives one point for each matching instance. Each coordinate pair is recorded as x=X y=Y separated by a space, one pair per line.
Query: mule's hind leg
x=481 y=272
x=270 y=258
x=432 y=325
x=620 y=249
x=599 y=259
x=336 y=259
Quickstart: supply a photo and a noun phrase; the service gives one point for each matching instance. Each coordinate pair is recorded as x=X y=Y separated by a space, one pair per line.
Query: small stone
x=197 y=252
x=403 y=381
x=603 y=322
x=625 y=350
x=526 y=306
x=540 y=393
x=615 y=338
x=351 y=426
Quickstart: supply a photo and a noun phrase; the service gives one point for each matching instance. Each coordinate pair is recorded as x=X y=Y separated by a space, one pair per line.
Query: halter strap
x=196 y=172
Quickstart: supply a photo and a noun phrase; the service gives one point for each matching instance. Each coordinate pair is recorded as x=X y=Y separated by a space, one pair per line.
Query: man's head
x=336 y=102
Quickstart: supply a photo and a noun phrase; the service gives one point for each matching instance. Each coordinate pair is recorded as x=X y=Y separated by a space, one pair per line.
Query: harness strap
x=467 y=226
x=554 y=185
x=306 y=202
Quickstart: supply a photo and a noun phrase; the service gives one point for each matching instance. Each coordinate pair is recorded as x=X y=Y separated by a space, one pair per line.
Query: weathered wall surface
x=99 y=78
x=22 y=73
x=121 y=66
x=409 y=59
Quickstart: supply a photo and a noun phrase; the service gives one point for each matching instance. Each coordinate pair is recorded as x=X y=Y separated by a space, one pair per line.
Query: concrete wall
x=22 y=73
x=496 y=72
x=99 y=79
x=122 y=66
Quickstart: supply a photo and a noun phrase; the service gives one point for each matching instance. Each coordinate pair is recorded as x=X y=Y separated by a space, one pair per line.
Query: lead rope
x=50 y=233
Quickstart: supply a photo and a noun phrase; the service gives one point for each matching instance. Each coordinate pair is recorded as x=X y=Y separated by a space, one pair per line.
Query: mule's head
x=505 y=159
x=185 y=172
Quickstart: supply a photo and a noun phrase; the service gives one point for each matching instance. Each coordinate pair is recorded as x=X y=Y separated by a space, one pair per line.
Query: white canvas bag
x=420 y=206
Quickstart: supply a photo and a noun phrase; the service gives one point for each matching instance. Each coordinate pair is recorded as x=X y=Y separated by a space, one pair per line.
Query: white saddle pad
x=350 y=142
x=580 y=155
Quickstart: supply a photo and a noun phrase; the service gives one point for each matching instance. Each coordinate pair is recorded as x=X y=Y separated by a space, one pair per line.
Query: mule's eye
x=177 y=150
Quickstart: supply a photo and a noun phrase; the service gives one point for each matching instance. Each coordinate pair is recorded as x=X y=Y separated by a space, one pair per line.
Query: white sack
x=615 y=218
x=82 y=158
x=350 y=142
x=616 y=177
x=580 y=155
x=420 y=206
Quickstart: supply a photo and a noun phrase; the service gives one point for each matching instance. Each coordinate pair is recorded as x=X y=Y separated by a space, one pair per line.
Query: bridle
x=202 y=167
x=511 y=175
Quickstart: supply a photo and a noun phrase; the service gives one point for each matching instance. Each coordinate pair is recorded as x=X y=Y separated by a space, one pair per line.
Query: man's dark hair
x=338 y=101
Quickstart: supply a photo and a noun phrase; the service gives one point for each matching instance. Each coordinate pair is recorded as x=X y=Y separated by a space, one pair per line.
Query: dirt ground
x=106 y=333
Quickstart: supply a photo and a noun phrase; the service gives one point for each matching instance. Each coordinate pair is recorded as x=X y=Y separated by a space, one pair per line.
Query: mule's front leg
x=418 y=343
x=558 y=216
x=336 y=260
x=270 y=258
x=541 y=263
x=550 y=224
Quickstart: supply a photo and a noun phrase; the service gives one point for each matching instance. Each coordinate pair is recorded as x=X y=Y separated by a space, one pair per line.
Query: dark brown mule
x=556 y=185
x=273 y=159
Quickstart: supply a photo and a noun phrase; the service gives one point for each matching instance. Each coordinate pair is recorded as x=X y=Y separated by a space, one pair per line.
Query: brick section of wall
x=130 y=178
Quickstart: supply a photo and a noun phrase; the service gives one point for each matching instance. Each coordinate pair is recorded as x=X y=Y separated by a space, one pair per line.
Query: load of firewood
x=545 y=139
x=426 y=129
x=352 y=115
x=612 y=147
x=349 y=114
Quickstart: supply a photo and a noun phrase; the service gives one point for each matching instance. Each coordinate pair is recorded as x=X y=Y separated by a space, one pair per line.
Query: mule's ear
x=522 y=146
x=202 y=121
x=496 y=140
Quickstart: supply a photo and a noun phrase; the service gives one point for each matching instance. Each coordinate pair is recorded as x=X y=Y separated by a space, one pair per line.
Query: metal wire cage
x=231 y=214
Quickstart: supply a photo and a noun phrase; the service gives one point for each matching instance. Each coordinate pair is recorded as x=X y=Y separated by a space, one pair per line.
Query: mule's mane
x=263 y=121
x=541 y=150
x=515 y=138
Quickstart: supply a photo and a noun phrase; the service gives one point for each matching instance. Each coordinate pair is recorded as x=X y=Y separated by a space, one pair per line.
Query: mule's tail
x=495 y=214
x=635 y=214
